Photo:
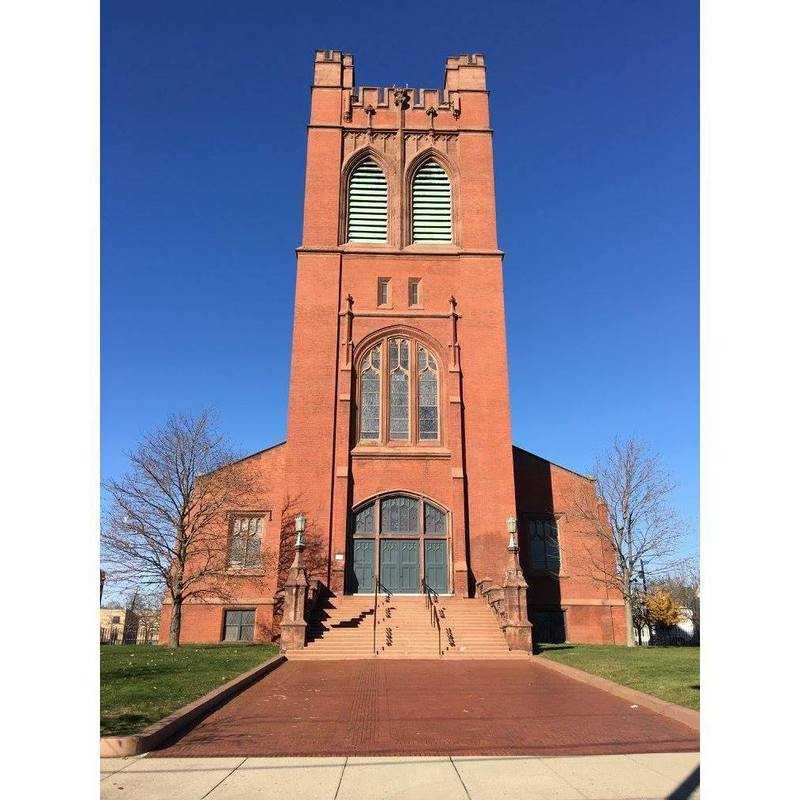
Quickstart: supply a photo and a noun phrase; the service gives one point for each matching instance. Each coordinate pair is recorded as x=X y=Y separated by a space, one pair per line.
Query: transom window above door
x=399 y=515
x=399 y=393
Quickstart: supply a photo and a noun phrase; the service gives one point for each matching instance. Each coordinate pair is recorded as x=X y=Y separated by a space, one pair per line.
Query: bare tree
x=166 y=526
x=628 y=519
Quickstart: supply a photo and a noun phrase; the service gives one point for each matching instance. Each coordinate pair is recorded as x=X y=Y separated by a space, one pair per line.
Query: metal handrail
x=431 y=599
x=375 y=613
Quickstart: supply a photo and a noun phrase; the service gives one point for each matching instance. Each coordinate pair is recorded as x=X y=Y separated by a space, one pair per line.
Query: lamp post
x=516 y=626
x=293 y=626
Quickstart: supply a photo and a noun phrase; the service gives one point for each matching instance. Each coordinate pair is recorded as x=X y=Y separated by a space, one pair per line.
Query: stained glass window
x=400 y=514
x=544 y=545
x=371 y=395
x=398 y=388
x=245 y=549
x=428 y=390
x=435 y=521
x=365 y=520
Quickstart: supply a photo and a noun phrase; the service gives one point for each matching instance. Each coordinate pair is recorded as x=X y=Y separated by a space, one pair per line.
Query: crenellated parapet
x=461 y=103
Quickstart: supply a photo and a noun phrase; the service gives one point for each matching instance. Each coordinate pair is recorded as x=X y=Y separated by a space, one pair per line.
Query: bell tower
x=399 y=436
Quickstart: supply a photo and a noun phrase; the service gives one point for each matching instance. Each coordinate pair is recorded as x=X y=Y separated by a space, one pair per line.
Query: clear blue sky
x=595 y=111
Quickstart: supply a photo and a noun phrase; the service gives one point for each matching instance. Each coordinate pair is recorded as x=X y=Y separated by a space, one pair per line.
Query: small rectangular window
x=239 y=624
x=414 y=295
x=384 y=294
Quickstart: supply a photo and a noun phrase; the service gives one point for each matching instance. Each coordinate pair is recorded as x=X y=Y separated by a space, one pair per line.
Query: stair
x=344 y=630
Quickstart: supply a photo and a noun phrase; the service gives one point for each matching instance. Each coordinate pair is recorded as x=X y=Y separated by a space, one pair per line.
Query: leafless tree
x=628 y=520
x=166 y=526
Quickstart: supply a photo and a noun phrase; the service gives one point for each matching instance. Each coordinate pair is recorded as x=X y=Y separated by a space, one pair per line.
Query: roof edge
x=560 y=466
x=244 y=458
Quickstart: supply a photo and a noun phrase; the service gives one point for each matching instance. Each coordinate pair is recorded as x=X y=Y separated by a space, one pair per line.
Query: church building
x=399 y=456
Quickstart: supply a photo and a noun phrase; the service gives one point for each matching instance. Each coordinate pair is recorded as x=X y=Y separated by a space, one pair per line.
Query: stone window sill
x=399 y=452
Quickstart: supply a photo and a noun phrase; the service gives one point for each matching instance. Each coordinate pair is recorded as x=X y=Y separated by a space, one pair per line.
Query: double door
x=398 y=564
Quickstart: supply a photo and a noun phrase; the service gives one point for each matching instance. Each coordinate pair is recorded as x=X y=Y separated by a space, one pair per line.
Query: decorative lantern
x=300 y=530
x=511 y=525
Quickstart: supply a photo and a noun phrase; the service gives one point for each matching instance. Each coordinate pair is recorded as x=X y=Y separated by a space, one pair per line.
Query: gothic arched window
x=431 y=204
x=367 y=204
x=399 y=394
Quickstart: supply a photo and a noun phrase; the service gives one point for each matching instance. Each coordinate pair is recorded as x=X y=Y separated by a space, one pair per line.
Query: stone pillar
x=516 y=626
x=293 y=625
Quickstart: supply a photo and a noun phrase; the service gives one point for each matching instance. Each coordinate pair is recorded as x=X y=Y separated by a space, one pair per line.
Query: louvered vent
x=367 y=206
x=432 y=205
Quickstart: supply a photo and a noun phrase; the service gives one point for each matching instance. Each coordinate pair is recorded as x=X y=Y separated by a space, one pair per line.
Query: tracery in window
x=400 y=514
x=364 y=520
x=245 y=549
x=371 y=394
x=399 y=393
x=399 y=384
x=428 y=388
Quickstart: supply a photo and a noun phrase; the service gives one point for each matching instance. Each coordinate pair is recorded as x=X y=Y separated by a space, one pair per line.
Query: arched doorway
x=399 y=537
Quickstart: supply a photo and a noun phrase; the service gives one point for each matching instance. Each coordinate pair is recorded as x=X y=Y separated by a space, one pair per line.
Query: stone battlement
x=465 y=71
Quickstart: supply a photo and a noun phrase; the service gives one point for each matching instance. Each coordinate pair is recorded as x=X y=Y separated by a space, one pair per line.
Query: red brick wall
x=593 y=609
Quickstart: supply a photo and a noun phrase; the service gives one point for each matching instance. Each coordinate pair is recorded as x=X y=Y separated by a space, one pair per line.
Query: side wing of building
x=568 y=600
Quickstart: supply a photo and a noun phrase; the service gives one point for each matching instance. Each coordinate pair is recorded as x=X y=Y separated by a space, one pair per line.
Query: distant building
x=118 y=626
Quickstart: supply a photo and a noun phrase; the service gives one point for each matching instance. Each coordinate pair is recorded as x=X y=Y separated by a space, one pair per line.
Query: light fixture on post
x=300 y=530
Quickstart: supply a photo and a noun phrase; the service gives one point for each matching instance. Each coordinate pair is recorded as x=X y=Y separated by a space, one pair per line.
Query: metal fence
x=116 y=635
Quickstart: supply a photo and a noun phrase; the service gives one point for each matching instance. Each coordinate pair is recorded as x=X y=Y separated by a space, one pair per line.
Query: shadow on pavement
x=684 y=791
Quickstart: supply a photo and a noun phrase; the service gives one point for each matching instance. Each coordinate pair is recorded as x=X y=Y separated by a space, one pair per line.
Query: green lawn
x=671 y=673
x=140 y=684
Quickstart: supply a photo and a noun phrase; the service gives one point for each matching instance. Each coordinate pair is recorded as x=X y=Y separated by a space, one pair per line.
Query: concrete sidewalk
x=653 y=775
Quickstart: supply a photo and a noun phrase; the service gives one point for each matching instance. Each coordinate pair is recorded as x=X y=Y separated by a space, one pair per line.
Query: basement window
x=239 y=624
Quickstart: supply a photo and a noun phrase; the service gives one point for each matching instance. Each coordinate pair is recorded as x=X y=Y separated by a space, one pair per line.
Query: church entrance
x=399 y=538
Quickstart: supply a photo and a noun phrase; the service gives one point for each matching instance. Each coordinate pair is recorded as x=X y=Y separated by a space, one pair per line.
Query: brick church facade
x=399 y=449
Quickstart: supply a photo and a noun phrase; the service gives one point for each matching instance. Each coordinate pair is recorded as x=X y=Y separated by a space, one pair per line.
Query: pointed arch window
x=367 y=204
x=399 y=393
x=431 y=204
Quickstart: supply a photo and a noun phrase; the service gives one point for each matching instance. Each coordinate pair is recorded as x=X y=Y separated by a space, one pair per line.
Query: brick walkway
x=393 y=707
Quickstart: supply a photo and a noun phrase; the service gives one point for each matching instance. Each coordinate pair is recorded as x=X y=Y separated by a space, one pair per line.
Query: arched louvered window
x=399 y=393
x=367 y=203
x=431 y=204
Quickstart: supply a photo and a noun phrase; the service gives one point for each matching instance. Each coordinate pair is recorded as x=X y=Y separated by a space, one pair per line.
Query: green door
x=436 y=564
x=361 y=570
x=400 y=565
